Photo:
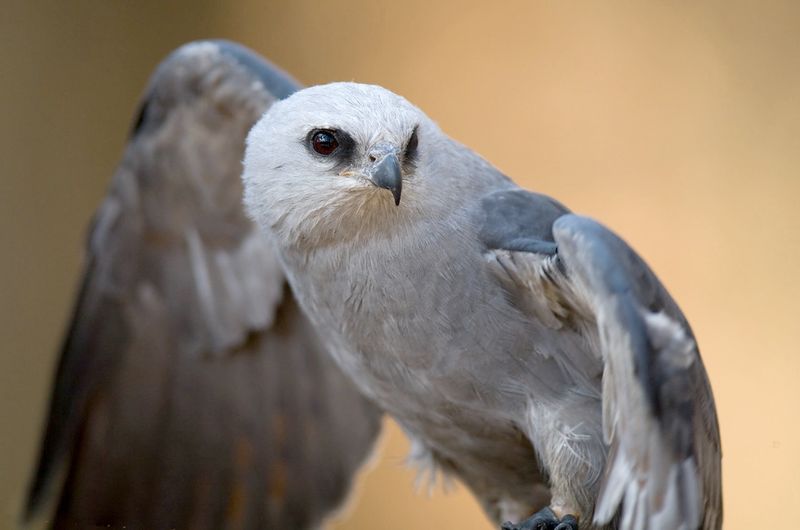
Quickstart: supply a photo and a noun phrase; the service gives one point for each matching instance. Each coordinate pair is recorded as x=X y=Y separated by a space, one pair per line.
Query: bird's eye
x=324 y=142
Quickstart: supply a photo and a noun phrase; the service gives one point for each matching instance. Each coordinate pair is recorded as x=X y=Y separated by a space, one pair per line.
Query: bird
x=524 y=349
x=192 y=391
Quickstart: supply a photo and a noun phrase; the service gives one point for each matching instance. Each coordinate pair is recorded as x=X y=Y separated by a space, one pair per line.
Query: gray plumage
x=524 y=349
x=191 y=391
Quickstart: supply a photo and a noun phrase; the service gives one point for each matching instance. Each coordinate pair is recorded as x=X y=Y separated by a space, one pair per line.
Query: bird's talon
x=544 y=519
x=568 y=522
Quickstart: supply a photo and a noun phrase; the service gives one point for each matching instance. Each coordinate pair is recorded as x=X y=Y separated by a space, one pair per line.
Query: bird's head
x=335 y=159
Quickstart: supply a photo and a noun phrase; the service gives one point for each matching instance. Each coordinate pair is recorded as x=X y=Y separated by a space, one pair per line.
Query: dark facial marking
x=410 y=153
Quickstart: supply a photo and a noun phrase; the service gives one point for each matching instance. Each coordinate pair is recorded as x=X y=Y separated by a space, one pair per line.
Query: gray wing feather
x=659 y=416
x=191 y=391
x=574 y=275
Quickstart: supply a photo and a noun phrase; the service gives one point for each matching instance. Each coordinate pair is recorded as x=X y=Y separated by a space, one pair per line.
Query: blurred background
x=675 y=123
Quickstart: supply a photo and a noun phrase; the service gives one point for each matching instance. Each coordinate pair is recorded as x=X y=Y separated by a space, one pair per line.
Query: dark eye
x=324 y=142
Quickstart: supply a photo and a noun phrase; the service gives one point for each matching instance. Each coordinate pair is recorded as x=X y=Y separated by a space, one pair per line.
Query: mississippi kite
x=191 y=391
x=526 y=350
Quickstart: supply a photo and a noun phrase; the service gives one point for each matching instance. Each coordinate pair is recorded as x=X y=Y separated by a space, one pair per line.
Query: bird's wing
x=659 y=419
x=191 y=391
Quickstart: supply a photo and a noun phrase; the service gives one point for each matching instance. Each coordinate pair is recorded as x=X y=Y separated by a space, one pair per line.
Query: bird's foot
x=543 y=520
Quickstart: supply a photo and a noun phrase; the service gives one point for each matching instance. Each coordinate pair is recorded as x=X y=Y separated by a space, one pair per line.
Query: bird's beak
x=386 y=174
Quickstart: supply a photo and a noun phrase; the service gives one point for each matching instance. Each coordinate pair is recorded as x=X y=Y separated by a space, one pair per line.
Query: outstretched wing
x=191 y=391
x=663 y=469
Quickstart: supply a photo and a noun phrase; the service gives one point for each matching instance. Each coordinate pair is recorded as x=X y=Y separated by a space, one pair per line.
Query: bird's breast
x=424 y=326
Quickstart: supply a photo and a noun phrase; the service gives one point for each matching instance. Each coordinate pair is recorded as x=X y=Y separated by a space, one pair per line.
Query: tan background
x=677 y=124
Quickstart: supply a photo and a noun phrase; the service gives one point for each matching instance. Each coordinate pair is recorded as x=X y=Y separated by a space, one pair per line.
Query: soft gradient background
x=676 y=123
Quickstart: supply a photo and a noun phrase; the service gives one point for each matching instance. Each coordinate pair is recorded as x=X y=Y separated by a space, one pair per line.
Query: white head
x=336 y=160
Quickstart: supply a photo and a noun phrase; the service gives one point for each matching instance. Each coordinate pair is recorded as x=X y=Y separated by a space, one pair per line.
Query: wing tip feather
x=276 y=81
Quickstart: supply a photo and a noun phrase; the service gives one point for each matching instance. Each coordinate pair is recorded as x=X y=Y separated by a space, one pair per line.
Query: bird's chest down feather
x=395 y=328
x=428 y=355
x=455 y=371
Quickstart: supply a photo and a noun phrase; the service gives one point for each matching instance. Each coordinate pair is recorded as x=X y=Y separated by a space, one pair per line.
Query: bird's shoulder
x=515 y=219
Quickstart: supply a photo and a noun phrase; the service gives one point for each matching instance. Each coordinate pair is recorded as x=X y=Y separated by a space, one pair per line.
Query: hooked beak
x=386 y=174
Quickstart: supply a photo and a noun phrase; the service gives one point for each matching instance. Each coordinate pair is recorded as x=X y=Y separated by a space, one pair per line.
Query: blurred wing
x=659 y=419
x=191 y=391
